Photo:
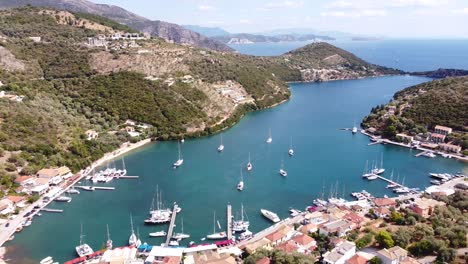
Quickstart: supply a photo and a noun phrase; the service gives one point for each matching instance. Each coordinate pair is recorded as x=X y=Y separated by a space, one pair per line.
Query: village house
x=443 y=130
x=340 y=227
x=130 y=122
x=357 y=259
x=288 y=247
x=6 y=207
x=131 y=131
x=91 y=134
x=425 y=207
x=449 y=147
x=281 y=235
x=354 y=218
x=252 y=247
x=35 y=39
x=405 y=138
x=41 y=186
x=25 y=181
x=305 y=244
x=437 y=138
x=98 y=41
x=317 y=218
x=309 y=228
x=18 y=201
x=429 y=145
x=384 y=202
x=52 y=175
x=392 y=255
x=382 y=212
x=340 y=254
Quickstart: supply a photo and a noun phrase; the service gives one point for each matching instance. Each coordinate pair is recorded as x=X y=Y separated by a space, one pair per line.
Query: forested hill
x=420 y=108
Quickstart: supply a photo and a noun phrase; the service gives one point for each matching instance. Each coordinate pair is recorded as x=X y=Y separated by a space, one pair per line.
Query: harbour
x=194 y=185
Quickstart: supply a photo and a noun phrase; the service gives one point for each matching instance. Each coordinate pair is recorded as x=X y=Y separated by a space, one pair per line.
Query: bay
x=206 y=182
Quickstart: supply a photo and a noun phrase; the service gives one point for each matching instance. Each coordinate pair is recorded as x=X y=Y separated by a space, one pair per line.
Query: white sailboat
x=366 y=172
x=249 y=164
x=180 y=236
x=282 y=171
x=221 y=146
x=240 y=225
x=83 y=249
x=378 y=170
x=138 y=241
x=109 y=241
x=240 y=185
x=269 y=139
x=158 y=215
x=291 y=150
x=132 y=240
x=180 y=161
x=354 y=130
x=219 y=235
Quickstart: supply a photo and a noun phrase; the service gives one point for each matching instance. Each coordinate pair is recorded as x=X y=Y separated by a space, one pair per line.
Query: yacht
x=173 y=243
x=366 y=172
x=291 y=150
x=73 y=191
x=83 y=249
x=269 y=139
x=377 y=170
x=88 y=188
x=354 y=130
x=180 y=161
x=436 y=182
x=240 y=185
x=63 y=198
x=221 y=146
x=158 y=234
x=180 y=236
x=429 y=155
x=372 y=177
x=270 y=215
x=132 y=240
x=109 y=240
x=182 y=141
x=47 y=260
x=282 y=171
x=240 y=225
x=249 y=164
x=215 y=235
x=245 y=235
x=158 y=215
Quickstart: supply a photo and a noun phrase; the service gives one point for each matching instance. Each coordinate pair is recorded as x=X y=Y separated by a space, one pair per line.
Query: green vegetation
x=105 y=21
x=384 y=239
x=279 y=257
x=439 y=102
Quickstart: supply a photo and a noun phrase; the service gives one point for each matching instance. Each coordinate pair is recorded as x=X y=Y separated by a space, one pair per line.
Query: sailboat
x=180 y=236
x=180 y=161
x=63 y=198
x=354 y=130
x=215 y=235
x=138 y=241
x=109 y=241
x=221 y=146
x=83 y=249
x=240 y=185
x=249 y=164
x=240 y=225
x=282 y=171
x=158 y=215
x=291 y=150
x=269 y=139
x=378 y=170
x=132 y=240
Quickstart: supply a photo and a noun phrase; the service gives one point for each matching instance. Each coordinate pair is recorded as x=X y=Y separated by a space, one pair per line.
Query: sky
x=390 y=18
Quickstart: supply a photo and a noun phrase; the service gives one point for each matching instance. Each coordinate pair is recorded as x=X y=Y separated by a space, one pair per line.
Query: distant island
x=244 y=38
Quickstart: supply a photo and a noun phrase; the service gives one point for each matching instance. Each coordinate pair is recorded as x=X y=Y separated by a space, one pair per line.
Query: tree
x=402 y=237
x=384 y=239
x=375 y=260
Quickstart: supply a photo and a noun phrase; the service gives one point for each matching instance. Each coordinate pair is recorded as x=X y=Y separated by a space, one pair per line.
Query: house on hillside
x=91 y=134
x=384 y=202
x=340 y=254
x=437 y=138
x=340 y=227
x=425 y=207
x=450 y=147
x=6 y=207
x=443 y=130
x=392 y=255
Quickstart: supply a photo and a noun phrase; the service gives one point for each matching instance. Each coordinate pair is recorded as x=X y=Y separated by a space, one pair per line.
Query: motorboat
x=249 y=164
x=180 y=161
x=245 y=235
x=269 y=139
x=270 y=215
x=158 y=234
x=221 y=146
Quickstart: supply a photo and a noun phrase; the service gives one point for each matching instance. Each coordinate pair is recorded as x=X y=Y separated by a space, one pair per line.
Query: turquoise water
x=324 y=155
x=407 y=55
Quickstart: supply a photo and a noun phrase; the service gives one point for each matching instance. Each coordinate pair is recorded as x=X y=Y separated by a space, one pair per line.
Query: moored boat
x=240 y=225
x=216 y=235
x=83 y=249
x=158 y=234
x=180 y=161
x=270 y=215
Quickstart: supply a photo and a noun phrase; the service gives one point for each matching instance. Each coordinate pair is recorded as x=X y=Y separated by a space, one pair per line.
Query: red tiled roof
x=15 y=198
x=382 y=210
x=435 y=135
x=171 y=260
x=265 y=260
x=275 y=236
x=303 y=239
x=21 y=179
x=384 y=202
x=353 y=217
x=357 y=259
x=288 y=247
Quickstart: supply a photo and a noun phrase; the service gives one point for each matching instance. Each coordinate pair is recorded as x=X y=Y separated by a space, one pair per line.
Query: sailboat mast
x=108 y=234
x=242 y=212
x=214 y=222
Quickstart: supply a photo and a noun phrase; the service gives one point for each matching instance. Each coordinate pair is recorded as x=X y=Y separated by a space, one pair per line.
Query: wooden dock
x=229 y=221
x=171 y=225
x=52 y=210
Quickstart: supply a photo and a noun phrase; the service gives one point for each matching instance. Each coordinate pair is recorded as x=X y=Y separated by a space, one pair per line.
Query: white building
x=392 y=255
x=340 y=254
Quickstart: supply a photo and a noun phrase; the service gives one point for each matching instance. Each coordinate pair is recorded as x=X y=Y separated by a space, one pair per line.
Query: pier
x=390 y=181
x=128 y=177
x=229 y=221
x=171 y=225
x=422 y=153
x=104 y=188
x=52 y=210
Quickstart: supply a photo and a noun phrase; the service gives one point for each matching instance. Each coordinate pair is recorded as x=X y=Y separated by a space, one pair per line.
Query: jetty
x=422 y=153
x=229 y=221
x=128 y=177
x=171 y=225
x=104 y=188
x=390 y=181
x=50 y=210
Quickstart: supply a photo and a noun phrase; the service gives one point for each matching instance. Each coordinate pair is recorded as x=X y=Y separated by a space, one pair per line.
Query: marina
x=207 y=180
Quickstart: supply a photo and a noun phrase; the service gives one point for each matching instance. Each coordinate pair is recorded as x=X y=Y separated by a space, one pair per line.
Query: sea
x=327 y=160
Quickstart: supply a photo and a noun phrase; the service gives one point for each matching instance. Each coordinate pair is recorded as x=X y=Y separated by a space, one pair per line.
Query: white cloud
x=382 y=4
x=245 y=21
x=205 y=7
x=284 y=4
x=462 y=11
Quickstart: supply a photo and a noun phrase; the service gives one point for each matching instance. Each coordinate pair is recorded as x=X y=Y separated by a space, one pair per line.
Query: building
x=252 y=247
x=52 y=175
x=98 y=41
x=35 y=39
x=384 y=202
x=18 y=201
x=382 y=212
x=443 y=130
x=316 y=218
x=91 y=134
x=6 y=207
x=405 y=138
x=340 y=227
x=130 y=122
x=449 y=147
x=288 y=247
x=429 y=145
x=340 y=254
x=281 y=235
x=304 y=243
x=357 y=259
x=437 y=138
x=25 y=181
x=425 y=207
x=309 y=228
x=392 y=255
x=354 y=218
